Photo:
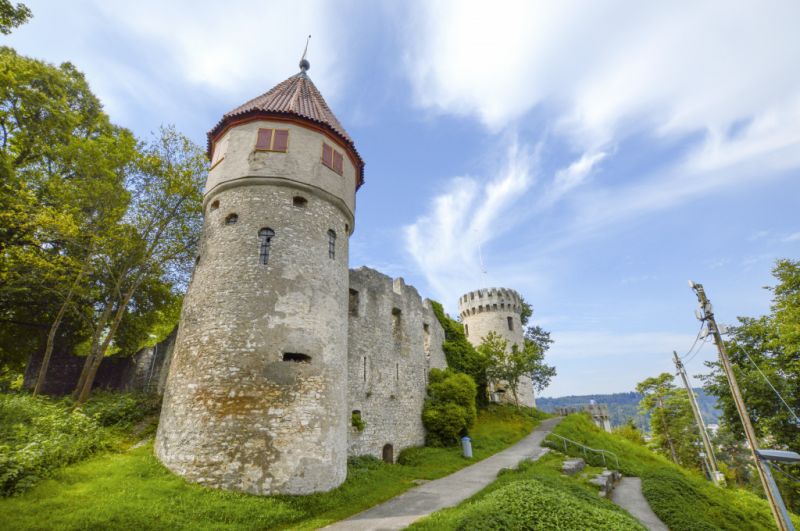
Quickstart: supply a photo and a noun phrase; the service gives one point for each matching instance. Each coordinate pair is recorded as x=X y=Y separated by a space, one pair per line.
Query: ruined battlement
x=489 y=300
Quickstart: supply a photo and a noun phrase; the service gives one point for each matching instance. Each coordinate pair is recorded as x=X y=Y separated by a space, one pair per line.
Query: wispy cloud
x=447 y=241
x=794 y=237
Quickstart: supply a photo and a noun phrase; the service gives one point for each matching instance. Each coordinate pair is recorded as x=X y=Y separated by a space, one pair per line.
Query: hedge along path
x=403 y=510
x=628 y=495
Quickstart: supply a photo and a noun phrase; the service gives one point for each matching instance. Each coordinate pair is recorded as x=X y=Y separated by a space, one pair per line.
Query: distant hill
x=624 y=406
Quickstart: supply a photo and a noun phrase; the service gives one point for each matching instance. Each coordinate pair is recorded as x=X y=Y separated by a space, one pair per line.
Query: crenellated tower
x=257 y=390
x=496 y=310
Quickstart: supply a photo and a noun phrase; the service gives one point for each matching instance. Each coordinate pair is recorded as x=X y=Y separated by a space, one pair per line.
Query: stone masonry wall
x=496 y=310
x=239 y=411
x=394 y=340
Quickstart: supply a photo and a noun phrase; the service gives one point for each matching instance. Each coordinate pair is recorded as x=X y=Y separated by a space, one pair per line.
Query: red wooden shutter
x=264 y=139
x=327 y=155
x=281 y=142
x=337 y=162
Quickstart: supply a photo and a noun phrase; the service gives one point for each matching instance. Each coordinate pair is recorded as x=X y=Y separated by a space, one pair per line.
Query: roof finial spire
x=304 y=64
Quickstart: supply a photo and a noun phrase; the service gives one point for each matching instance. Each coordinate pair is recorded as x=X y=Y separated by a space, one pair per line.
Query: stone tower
x=496 y=310
x=256 y=395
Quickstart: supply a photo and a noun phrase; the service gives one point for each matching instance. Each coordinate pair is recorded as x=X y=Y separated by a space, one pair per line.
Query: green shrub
x=38 y=436
x=121 y=409
x=449 y=409
x=531 y=505
x=357 y=422
x=460 y=354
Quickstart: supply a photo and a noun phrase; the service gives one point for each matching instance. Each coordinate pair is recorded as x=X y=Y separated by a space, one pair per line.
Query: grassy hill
x=538 y=497
x=624 y=406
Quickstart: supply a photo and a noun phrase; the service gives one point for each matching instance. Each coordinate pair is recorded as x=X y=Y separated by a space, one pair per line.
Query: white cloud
x=170 y=60
x=447 y=242
x=600 y=72
x=602 y=345
x=794 y=237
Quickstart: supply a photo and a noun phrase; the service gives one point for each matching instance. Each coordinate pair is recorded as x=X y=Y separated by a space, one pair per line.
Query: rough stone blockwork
x=496 y=310
x=394 y=340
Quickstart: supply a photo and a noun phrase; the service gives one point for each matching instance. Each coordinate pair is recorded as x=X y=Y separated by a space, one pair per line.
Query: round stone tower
x=256 y=399
x=496 y=310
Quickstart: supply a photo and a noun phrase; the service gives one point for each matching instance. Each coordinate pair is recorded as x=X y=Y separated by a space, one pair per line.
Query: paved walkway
x=628 y=495
x=401 y=511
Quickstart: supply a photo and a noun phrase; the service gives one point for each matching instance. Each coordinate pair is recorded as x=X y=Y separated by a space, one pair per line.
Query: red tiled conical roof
x=296 y=97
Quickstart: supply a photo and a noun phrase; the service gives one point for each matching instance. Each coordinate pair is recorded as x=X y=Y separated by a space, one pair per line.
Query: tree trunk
x=51 y=336
x=86 y=390
x=666 y=433
x=98 y=331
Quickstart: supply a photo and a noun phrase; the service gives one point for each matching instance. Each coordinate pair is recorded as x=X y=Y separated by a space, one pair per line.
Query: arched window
x=331 y=244
x=265 y=235
x=231 y=219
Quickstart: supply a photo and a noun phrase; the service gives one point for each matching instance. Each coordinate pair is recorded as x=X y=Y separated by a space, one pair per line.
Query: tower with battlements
x=256 y=397
x=496 y=310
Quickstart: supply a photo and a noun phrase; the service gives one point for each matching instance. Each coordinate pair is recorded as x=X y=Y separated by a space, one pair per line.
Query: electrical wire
x=696 y=352
x=696 y=339
x=785 y=473
x=744 y=349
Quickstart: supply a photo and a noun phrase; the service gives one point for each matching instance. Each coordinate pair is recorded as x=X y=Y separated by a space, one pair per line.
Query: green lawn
x=131 y=490
x=536 y=497
x=683 y=500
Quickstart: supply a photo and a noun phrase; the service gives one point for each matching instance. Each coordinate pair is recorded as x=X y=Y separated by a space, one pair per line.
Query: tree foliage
x=98 y=232
x=12 y=16
x=672 y=423
x=460 y=354
x=772 y=342
x=510 y=365
x=449 y=410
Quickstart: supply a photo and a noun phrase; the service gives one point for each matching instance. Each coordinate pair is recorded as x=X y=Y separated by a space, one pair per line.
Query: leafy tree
x=671 y=420
x=510 y=365
x=158 y=240
x=630 y=432
x=526 y=311
x=540 y=337
x=449 y=409
x=61 y=184
x=460 y=354
x=12 y=16
x=772 y=342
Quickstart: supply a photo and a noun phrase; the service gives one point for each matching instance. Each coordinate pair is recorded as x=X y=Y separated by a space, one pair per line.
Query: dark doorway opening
x=388 y=453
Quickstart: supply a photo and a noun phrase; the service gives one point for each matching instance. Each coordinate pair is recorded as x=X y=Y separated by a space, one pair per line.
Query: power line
x=696 y=339
x=744 y=350
x=785 y=473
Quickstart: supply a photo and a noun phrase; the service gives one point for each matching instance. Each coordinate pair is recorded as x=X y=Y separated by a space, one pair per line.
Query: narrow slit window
x=353 y=303
x=365 y=369
x=466 y=330
x=510 y=323
x=331 y=244
x=265 y=235
x=396 y=323
x=296 y=357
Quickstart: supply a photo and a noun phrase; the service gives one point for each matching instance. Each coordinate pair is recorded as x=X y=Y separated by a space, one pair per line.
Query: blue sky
x=596 y=155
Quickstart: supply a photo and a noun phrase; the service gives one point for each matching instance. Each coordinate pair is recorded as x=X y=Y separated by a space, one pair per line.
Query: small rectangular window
x=219 y=151
x=327 y=155
x=338 y=162
x=264 y=140
x=281 y=141
x=510 y=323
x=332 y=158
x=272 y=140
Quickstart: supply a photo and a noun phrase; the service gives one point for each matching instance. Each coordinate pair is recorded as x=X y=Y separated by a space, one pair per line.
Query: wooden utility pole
x=710 y=459
x=708 y=316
